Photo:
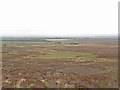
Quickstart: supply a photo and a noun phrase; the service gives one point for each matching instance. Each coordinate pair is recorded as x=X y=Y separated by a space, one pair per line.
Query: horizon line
x=59 y=35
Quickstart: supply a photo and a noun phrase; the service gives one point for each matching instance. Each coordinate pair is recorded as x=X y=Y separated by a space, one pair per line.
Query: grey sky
x=58 y=17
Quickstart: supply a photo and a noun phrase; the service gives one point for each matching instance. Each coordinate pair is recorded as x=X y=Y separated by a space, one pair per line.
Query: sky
x=58 y=17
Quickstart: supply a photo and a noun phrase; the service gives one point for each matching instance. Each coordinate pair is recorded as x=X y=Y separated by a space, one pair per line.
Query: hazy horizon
x=105 y=35
x=58 y=18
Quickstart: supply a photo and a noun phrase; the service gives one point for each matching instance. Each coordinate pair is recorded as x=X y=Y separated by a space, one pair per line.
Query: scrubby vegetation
x=85 y=64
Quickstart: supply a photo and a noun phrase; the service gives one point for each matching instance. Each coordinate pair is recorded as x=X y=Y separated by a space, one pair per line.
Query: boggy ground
x=85 y=64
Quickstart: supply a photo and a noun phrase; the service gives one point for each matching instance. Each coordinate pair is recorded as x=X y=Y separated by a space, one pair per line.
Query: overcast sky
x=58 y=17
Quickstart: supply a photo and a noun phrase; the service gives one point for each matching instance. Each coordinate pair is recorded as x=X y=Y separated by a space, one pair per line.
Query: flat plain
x=73 y=63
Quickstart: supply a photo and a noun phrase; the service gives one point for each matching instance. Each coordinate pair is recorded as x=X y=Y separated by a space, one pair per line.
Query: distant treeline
x=17 y=40
x=45 y=39
x=32 y=38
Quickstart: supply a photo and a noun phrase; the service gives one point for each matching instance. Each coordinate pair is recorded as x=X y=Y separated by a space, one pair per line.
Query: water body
x=57 y=39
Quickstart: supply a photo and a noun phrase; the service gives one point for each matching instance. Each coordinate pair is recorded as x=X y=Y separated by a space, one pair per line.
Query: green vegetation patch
x=85 y=57
x=59 y=54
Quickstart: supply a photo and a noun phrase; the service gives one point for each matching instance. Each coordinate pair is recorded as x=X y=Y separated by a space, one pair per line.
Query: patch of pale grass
x=19 y=83
x=12 y=53
x=8 y=81
x=20 y=46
